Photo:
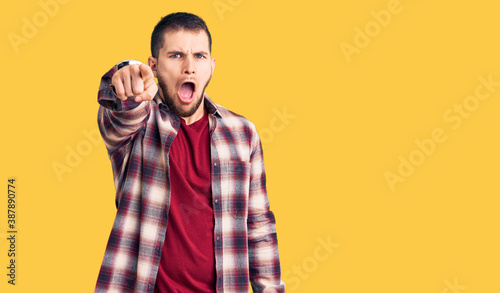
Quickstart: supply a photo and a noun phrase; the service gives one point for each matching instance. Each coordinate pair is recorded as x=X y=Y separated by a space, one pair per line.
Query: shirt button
x=218 y=238
x=215 y=164
x=216 y=201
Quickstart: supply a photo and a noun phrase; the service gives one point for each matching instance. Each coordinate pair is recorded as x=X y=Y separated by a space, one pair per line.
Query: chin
x=187 y=110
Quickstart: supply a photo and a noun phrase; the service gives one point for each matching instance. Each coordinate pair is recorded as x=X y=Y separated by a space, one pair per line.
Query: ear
x=213 y=65
x=153 y=63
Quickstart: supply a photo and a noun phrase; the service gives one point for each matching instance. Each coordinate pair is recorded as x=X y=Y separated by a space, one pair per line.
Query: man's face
x=183 y=68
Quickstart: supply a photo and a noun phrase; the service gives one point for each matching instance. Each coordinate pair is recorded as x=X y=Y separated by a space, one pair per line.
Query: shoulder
x=234 y=121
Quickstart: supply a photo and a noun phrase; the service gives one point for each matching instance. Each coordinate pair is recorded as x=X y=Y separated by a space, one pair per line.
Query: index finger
x=146 y=72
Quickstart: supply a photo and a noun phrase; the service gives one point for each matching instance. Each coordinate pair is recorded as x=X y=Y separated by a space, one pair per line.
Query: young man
x=192 y=208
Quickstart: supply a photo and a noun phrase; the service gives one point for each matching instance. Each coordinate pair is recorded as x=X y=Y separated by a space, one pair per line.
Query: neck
x=197 y=115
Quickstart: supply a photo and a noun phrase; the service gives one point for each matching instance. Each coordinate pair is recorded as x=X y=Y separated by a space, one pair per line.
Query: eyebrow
x=180 y=52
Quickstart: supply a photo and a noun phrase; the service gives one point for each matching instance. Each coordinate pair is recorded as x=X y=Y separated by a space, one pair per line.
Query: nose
x=189 y=66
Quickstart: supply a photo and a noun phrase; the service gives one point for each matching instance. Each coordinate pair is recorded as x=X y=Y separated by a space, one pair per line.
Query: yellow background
x=436 y=232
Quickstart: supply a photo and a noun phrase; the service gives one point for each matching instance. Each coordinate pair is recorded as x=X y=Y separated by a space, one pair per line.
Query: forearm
x=264 y=263
x=118 y=119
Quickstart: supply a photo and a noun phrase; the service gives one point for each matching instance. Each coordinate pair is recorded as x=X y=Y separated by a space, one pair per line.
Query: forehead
x=184 y=40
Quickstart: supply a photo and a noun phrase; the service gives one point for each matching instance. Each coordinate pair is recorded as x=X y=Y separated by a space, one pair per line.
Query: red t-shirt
x=187 y=261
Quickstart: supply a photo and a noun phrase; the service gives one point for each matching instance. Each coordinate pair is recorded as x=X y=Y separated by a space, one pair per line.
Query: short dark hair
x=174 y=22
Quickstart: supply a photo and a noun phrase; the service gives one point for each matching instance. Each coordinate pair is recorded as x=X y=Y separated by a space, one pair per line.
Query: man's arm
x=265 y=272
x=124 y=96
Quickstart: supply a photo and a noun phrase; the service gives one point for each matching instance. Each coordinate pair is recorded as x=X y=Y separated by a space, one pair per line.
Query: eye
x=176 y=55
x=199 y=56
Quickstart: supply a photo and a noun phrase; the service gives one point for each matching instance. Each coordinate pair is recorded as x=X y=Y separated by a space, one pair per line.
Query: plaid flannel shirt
x=138 y=137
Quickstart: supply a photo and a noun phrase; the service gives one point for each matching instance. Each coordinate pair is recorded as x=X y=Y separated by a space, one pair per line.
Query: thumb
x=149 y=92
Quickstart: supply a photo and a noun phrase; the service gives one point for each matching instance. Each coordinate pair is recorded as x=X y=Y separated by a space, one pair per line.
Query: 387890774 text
x=11 y=230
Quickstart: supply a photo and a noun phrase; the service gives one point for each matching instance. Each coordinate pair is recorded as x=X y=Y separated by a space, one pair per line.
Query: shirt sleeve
x=118 y=120
x=264 y=264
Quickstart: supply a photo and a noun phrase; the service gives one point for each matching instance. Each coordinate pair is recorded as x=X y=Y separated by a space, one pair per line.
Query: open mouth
x=186 y=92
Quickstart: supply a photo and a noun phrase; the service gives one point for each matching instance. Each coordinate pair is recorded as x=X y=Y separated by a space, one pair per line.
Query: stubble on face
x=183 y=60
x=171 y=101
